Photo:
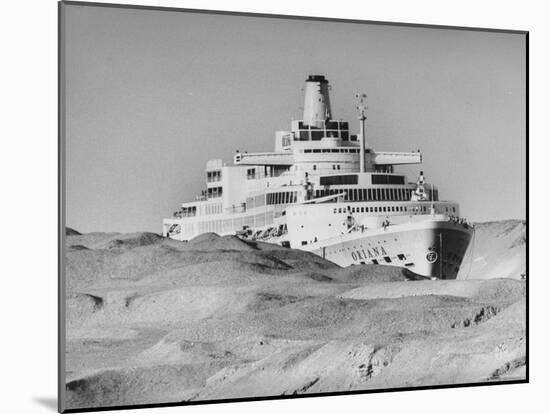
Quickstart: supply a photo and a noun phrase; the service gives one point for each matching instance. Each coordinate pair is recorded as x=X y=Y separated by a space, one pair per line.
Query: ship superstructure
x=325 y=190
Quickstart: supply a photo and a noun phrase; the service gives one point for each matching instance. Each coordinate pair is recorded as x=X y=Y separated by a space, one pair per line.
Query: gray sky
x=152 y=95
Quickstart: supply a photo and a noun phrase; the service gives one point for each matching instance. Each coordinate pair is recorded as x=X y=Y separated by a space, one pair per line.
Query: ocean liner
x=329 y=192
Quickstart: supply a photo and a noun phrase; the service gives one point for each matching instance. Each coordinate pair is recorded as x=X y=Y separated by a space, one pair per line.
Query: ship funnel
x=316 y=102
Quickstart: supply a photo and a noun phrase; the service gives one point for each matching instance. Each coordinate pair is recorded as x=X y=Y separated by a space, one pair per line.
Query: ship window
x=307 y=151
x=339 y=180
x=334 y=150
x=304 y=242
x=355 y=197
x=387 y=259
x=317 y=135
x=316 y=150
x=338 y=166
x=387 y=179
x=376 y=209
x=314 y=167
x=374 y=261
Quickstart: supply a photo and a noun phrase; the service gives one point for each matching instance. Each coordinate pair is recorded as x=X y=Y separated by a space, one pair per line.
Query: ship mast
x=362 y=108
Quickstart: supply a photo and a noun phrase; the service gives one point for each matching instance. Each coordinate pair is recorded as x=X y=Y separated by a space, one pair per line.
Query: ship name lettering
x=362 y=254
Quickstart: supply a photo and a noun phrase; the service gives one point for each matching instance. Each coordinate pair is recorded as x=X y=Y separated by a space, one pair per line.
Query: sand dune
x=497 y=250
x=151 y=320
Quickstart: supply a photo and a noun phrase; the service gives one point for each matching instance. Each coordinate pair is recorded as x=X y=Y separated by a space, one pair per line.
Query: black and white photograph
x=271 y=207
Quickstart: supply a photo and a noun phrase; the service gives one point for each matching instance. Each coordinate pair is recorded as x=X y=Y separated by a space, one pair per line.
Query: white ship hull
x=430 y=248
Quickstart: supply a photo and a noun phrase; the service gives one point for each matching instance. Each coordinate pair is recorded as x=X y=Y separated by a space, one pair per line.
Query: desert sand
x=152 y=320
